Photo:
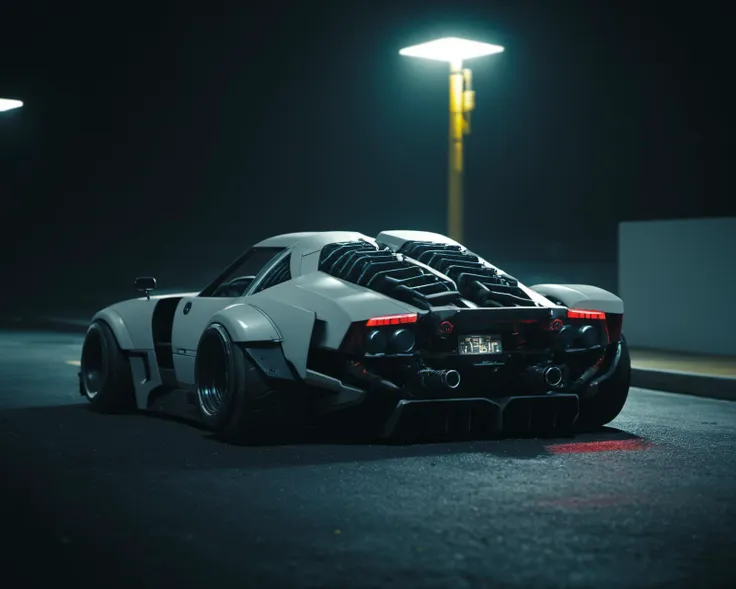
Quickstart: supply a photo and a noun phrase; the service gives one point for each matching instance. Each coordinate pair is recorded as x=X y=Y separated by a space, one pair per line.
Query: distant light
x=451 y=49
x=74 y=362
x=9 y=104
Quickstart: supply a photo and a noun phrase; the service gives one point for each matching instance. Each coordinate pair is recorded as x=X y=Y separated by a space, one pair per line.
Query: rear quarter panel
x=582 y=296
x=332 y=301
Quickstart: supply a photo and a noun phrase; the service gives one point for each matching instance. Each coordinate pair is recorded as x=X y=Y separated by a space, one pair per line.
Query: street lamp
x=462 y=102
x=8 y=104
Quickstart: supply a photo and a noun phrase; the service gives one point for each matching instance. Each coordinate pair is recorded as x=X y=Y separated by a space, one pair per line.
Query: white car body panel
x=131 y=320
x=243 y=322
x=334 y=301
x=146 y=375
x=394 y=239
x=188 y=329
x=295 y=325
x=302 y=244
x=113 y=316
x=582 y=296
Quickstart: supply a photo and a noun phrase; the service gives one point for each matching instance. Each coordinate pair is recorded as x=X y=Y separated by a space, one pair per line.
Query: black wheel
x=105 y=372
x=235 y=398
x=610 y=398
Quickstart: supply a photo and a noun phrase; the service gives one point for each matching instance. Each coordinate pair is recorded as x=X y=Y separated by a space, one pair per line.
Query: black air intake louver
x=386 y=272
x=475 y=281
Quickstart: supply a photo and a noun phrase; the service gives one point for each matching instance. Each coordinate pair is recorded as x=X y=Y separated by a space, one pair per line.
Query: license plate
x=473 y=345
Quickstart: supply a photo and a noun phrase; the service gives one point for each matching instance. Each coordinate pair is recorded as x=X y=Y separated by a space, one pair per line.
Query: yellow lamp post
x=462 y=102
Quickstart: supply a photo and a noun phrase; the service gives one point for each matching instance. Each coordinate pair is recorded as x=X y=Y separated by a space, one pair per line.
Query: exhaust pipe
x=439 y=379
x=552 y=376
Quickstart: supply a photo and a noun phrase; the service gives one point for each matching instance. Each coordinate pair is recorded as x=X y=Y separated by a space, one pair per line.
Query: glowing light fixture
x=451 y=49
x=462 y=102
x=9 y=104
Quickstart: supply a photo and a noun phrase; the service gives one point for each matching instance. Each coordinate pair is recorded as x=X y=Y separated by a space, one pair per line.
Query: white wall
x=677 y=279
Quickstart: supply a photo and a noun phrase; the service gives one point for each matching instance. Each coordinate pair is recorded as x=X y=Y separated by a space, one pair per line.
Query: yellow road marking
x=74 y=362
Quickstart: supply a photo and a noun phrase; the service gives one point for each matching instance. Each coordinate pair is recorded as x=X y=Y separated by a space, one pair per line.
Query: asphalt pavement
x=140 y=501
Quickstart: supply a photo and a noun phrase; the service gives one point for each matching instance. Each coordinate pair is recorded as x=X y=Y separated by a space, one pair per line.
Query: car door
x=194 y=313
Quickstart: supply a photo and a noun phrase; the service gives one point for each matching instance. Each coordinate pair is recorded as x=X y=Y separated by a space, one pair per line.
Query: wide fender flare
x=268 y=320
x=247 y=324
x=117 y=324
x=582 y=296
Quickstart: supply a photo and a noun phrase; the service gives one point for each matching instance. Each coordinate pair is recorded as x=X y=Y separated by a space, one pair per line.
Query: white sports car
x=405 y=333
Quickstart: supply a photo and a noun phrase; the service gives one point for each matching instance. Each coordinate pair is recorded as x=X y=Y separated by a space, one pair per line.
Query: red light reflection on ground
x=607 y=446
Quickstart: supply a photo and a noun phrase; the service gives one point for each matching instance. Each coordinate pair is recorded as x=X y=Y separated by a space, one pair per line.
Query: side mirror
x=145 y=284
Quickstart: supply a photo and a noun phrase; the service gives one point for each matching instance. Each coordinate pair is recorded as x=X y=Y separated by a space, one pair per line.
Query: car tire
x=105 y=377
x=235 y=398
x=608 y=401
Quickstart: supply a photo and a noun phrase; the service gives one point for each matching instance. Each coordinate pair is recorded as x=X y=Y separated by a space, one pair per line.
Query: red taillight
x=585 y=314
x=392 y=320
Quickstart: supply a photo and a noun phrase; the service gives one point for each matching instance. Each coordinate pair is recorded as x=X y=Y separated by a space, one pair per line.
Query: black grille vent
x=386 y=272
x=475 y=281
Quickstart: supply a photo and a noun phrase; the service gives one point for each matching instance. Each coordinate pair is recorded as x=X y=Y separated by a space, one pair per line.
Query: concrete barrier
x=678 y=282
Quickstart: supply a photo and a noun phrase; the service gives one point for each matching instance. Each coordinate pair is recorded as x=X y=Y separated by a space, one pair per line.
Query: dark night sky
x=166 y=138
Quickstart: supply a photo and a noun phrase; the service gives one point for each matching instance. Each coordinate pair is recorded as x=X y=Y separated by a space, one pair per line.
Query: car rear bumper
x=482 y=417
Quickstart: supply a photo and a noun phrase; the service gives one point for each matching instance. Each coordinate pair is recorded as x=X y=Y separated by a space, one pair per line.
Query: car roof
x=308 y=239
x=394 y=238
x=286 y=239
